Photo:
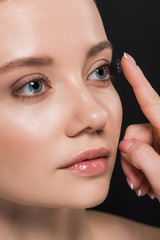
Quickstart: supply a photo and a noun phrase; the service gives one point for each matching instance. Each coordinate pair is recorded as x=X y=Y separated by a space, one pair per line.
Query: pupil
x=101 y=73
x=35 y=86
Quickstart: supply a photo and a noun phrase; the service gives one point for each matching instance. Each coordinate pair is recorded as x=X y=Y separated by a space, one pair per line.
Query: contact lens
x=115 y=66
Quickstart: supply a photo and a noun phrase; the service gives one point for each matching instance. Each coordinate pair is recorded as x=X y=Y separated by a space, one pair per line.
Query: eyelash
x=28 y=79
x=109 y=77
x=110 y=68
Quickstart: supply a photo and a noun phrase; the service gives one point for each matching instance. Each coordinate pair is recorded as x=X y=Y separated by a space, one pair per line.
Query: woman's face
x=53 y=105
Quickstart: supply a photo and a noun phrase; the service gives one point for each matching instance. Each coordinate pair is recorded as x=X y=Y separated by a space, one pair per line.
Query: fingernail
x=125 y=144
x=151 y=195
x=129 y=58
x=139 y=192
x=130 y=184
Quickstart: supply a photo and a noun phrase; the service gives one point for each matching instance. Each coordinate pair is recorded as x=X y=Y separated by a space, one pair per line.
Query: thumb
x=143 y=157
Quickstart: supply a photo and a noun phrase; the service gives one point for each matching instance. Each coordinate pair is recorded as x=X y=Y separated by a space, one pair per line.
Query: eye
x=100 y=73
x=31 y=86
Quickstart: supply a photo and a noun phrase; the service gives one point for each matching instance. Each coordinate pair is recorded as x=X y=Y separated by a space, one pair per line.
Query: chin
x=90 y=201
x=74 y=193
x=94 y=201
x=90 y=196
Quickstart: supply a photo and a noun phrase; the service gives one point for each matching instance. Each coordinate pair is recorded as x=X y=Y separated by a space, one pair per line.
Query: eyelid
x=100 y=63
x=18 y=84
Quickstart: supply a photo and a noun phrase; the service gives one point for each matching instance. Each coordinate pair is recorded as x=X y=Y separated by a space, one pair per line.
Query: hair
x=95 y=2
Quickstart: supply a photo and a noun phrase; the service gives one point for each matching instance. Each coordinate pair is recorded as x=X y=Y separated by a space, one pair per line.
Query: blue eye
x=104 y=72
x=32 y=87
x=101 y=73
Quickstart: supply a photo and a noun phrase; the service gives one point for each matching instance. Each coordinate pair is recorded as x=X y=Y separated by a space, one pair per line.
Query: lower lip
x=89 y=168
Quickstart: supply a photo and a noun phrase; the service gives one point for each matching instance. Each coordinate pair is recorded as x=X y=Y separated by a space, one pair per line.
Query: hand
x=140 y=149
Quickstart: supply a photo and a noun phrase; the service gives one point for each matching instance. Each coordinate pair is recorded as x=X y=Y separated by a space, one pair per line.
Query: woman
x=58 y=109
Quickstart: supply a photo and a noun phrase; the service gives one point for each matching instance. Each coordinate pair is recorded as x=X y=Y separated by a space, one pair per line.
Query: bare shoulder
x=106 y=226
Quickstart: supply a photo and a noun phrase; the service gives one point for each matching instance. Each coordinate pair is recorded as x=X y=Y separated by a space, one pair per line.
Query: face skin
x=39 y=134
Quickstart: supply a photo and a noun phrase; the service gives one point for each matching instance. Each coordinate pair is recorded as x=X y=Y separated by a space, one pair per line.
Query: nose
x=86 y=113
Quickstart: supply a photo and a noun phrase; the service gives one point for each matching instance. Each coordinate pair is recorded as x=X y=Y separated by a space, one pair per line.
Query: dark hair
x=95 y=2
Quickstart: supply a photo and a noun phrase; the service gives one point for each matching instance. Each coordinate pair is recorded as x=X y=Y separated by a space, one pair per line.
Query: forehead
x=29 y=26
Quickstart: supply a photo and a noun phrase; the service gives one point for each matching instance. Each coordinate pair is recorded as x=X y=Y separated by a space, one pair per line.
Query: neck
x=25 y=222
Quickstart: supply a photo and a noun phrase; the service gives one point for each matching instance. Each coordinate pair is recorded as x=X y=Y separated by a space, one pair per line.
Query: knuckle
x=140 y=154
x=130 y=130
x=142 y=132
x=153 y=99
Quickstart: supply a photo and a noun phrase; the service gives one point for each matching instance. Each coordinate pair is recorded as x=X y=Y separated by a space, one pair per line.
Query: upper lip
x=88 y=155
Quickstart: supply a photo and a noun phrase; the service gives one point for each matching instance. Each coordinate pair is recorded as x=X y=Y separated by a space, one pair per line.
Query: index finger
x=147 y=97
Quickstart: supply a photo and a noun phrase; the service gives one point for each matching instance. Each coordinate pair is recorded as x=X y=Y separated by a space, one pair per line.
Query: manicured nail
x=129 y=58
x=139 y=192
x=151 y=195
x=125 y=144
x=130 y=184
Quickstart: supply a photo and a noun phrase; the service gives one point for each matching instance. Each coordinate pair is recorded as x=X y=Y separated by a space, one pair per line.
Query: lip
x=87 y=155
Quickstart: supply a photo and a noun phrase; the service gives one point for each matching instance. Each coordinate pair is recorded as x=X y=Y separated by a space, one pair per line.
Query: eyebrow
x=46 y=61
x=98 y=48
x=29 y=61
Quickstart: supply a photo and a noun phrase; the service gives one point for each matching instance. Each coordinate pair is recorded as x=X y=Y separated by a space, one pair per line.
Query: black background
x=133 y=27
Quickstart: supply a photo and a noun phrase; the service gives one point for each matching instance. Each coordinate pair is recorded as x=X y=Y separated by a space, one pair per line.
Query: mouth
x=89 y=162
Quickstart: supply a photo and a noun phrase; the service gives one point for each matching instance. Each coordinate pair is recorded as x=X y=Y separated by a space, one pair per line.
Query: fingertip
x=138 y=192
x=151 y=195
x=141 y=191
x=125 y=145
x=130 y=184
x=129 y=58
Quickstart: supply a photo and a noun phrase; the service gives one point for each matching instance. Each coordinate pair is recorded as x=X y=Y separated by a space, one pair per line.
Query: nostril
x=99 y=131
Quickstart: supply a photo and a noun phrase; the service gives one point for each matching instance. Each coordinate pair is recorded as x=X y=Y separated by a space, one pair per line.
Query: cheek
x=111 y=102
x=114 y=110
x=29 y=143
x=27 y=137
x=114 y=127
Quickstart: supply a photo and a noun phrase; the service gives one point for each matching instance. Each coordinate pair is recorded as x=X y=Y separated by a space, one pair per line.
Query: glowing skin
x=39 y=134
